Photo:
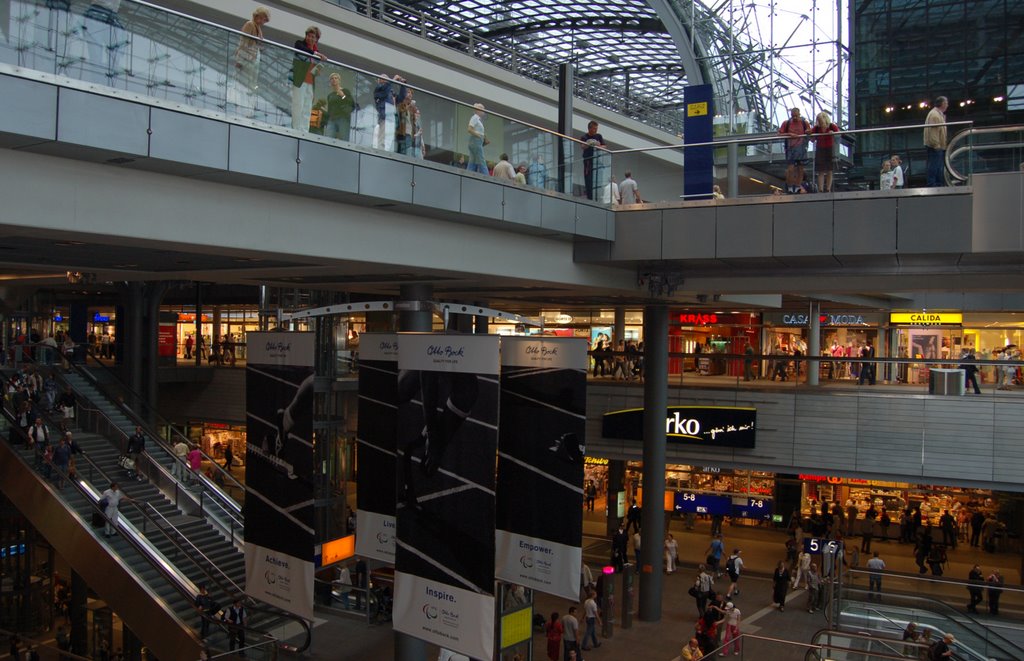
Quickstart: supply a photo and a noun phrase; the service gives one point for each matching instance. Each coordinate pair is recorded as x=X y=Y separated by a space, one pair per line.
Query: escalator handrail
x=160 y=467
x=160 y=419
x=234 y=586
x=177 y=579
x=229 y=503
x=866 y=636
x=944 y=610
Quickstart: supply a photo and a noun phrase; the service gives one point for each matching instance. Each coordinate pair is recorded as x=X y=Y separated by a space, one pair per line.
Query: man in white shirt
x=610 y=193
x=593 y=616
x=629 y=190
x=477 y=140
x=179 y=469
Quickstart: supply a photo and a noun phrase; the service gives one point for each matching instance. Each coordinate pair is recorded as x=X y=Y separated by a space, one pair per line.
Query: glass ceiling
x=762 y=56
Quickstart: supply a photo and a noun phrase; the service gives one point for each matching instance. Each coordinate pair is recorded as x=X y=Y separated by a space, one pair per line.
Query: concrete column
x=619 y=332
x=655 y=406
x=409 y=648
x=814 y=344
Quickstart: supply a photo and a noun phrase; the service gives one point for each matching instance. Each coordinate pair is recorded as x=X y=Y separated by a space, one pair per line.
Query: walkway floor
x=350 y=639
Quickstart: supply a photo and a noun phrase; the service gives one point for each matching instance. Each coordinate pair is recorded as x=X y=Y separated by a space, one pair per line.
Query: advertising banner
x=540 y=463
x=279 y=533
x=711 y=426
x=375 y=450
x=447 y=443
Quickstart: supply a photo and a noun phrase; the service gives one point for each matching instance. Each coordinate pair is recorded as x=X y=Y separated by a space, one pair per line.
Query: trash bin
x=945 y=382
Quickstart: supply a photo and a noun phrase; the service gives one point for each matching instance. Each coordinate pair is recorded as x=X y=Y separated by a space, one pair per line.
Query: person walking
x=701 y=590
x=967 y=363
x=875 y=568
x=553 y=632
x=629 y=190
x=570 y=631
x=671 y=553
x=229 y=457
x=780 y=585
x=803 y=564
x=813 y=588
x=593 y=617
x=477 y=140
x=733 y=567
x=714 y=554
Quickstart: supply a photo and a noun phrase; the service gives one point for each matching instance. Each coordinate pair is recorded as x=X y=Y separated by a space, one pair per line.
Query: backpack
x=730 y=565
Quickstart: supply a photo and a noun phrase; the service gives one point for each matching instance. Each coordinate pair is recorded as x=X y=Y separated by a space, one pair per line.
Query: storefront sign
x=191 y=316
x=715 y=319
x=713 y=426
x=595 y=461
x=831 y=319
x=926 y=318
x=337 y=550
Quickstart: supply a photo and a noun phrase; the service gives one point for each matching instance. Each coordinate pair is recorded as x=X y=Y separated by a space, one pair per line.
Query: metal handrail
x=176 y=578
x=237 y=589
x=946 y=581
x=952 y=152
x=764 y=137
x=944 y=610
x=232 y=504
x=809 y=647
x=327 y=60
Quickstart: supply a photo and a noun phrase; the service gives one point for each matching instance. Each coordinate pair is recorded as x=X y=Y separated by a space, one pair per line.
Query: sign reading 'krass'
x=717 y=426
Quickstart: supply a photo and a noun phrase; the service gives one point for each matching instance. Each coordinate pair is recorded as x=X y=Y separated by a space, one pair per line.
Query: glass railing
x=183 y=62
x=774 y=164
x=918 y=376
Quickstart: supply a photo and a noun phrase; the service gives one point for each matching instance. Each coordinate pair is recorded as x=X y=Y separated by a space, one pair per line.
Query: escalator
x=889 y=618
x=150 y=571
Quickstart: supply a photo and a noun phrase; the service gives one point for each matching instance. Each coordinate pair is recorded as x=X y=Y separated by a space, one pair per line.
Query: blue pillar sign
x=698 y=162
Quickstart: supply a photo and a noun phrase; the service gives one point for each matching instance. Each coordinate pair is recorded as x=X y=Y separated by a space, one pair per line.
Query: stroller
x=127 y=463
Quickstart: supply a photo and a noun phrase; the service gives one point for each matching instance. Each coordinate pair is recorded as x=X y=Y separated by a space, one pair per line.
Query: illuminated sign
x=516 y=627
x=926 y=318
x=713 y=426
x=595 y=461
x=190 y=316
x=12 y=550
x=825 y=319
x=823 y=546
x=100 y=318
x=698 y=319
x=337 y=550
x=697 y=109
x=697 y=502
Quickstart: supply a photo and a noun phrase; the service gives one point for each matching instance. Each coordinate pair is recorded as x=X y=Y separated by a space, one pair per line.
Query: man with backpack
x=795 y=129
x=733 y=567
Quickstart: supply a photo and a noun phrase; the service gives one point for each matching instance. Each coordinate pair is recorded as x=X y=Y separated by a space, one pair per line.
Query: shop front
x=842 y=335
x=710 y=336
x=214 y=438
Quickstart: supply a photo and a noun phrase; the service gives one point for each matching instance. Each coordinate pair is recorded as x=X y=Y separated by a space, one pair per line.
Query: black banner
x=376 y=436
x=540 y=463
x=710 y=426
x=279 y=522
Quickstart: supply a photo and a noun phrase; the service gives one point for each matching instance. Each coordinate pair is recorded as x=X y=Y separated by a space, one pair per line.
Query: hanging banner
x=279 y=533
x=540 y=463
x=447 y=442
x=375 y=486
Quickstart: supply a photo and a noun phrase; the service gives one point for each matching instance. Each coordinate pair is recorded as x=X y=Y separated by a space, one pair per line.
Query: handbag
x=103 y=503
x=693 y=592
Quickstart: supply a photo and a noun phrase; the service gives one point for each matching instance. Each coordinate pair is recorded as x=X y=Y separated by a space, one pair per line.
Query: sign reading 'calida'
x=714 y=426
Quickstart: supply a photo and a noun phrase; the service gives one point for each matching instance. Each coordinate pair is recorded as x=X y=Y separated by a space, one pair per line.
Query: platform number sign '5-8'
x=818 y=545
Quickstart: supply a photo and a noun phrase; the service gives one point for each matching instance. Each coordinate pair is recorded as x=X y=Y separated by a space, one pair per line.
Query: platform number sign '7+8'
x=818 y=545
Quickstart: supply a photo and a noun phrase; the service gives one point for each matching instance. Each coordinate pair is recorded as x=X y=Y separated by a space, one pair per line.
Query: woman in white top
x=671 y=553
x=732 y=629
x=885 y=179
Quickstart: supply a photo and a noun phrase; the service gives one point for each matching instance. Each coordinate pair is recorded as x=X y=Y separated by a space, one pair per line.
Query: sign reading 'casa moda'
x=711 y=426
